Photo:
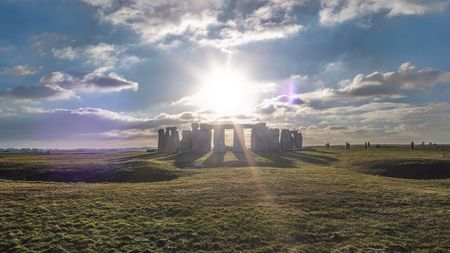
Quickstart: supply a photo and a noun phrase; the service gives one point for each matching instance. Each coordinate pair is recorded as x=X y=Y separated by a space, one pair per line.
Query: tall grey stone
x=186 y=142
x=160 y=139
x=238 y=139
x=219 y=140
x=274 y=139
x=286 y=140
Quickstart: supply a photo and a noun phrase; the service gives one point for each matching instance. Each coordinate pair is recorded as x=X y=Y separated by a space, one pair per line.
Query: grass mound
x=86 y=167
x=408 y=168
x=132 y=173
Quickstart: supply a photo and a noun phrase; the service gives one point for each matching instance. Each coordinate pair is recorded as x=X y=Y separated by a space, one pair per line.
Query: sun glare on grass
x=226 y=92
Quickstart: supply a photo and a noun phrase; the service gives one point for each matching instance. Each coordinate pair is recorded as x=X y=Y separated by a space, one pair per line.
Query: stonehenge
x=199 y=139
x=168 y=140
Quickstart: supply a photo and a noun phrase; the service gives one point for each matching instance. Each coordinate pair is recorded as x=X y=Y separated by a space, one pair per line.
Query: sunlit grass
x=303 y=201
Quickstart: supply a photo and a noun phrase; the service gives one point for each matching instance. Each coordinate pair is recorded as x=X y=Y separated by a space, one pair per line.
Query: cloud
x=92 y=82
x=101 y=3
x=42 y=42
x=20 y=70
x=362 y=89
x=379 y=122
x=42 y=91
x=339 y=11
x=96 y=126
x=62 y=86
x=66 y=53
x=376 y=85
x=217 y=23
x=391 y=83
x=102 y=55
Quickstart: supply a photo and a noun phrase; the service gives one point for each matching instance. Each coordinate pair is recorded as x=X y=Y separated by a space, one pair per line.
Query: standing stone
x=297 y=140
x=238 y=139
x=205 y=139
x=274 y=139
x=186 y=142
x=166 y=142
x=260 y=138
x=160 y=139
x=175 y=142
x=347 y=145
x=195 y=139
x=300 y=141
x=285 y=140
x=219 y=140
x=412 y=145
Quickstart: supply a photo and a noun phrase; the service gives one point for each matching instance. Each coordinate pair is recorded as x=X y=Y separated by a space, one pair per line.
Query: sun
x=226 y=92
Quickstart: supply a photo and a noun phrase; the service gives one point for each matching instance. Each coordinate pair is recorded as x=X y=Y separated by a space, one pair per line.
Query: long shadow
x=183 y=160
x=215 y=159
x=246 y=159
x=144 y=156
x=218 y=160
x=275 y=160
x=320 y=151
x=309 y=158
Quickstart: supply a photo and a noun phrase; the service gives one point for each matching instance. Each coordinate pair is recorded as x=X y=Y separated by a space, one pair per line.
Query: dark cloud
x=334 y=128
x=59 y=85
x=96 y=81
x=50 y=92
x=83 y=123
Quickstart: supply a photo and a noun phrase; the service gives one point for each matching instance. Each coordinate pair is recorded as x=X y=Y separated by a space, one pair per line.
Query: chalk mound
x=420 y=169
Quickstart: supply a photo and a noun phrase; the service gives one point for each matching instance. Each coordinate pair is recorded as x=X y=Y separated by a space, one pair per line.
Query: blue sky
x=107 y=73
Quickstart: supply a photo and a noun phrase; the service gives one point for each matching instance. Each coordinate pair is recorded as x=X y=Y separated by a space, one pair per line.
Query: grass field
x=388 y=199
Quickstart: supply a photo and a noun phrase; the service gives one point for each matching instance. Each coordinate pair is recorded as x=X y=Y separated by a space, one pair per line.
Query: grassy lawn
x=309 y=201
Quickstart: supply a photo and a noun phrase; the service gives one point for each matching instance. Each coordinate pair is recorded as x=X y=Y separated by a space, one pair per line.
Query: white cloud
x=62 y=86
x=20 y=70
x=339 y=11
x=100 y=3
x=217 y=23
x=391 y=83
x=92 y=82
x=66 y=53
x=102 y=55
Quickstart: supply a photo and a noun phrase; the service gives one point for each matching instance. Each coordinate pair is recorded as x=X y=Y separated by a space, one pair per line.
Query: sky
x=109 y=73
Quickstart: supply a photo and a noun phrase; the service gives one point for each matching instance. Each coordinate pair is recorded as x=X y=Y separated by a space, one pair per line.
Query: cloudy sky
x=109 y=73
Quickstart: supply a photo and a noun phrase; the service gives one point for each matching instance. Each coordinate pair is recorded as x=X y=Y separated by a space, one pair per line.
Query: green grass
x=309 y=201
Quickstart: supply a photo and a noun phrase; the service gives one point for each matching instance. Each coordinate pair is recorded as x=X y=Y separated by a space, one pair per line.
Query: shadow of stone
x=144 y=156
x=320 y=151
x=249 y=158
x=184 y=160
x=309 y=158
x=275 y=160
x=215 y=159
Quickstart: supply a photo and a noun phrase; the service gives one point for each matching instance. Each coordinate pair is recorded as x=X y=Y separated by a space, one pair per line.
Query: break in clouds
x=339 y=70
